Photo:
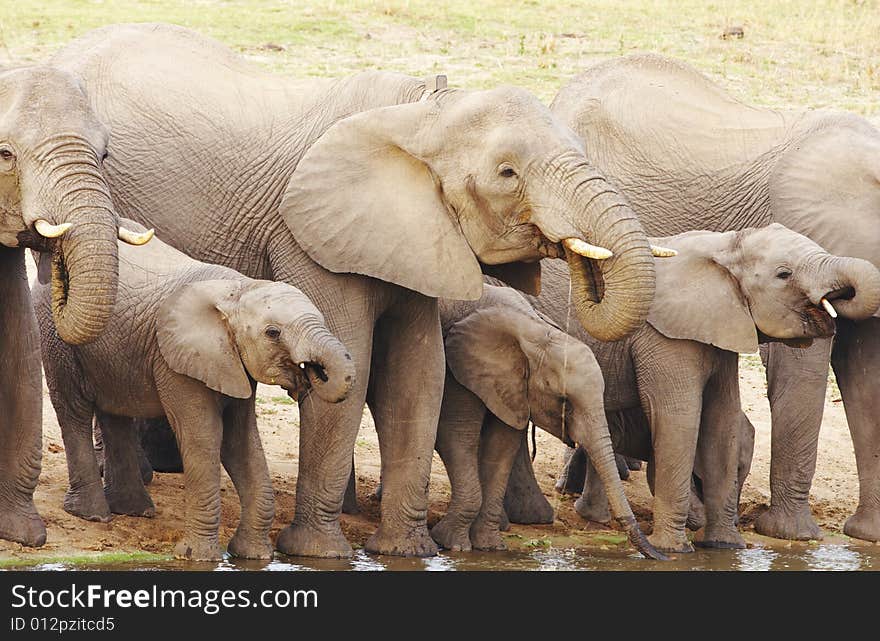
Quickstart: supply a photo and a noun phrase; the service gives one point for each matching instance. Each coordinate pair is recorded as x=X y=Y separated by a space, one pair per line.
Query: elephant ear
x=364 y=199
x=827 y=187
x=698 y=298
x=195 y=340
x=485 y=357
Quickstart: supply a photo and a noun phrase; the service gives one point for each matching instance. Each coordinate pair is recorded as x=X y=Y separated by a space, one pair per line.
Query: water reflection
x=758 y=558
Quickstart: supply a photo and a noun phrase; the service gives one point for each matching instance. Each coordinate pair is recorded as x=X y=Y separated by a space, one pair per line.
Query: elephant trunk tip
x=639 y=540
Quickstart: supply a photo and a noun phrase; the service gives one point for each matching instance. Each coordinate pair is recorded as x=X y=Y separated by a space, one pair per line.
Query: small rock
x=733 y=31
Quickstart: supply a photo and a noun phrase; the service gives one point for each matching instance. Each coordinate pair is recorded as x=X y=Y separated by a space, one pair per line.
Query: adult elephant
x=690 y=156
x=373 y=196
x=53 y=197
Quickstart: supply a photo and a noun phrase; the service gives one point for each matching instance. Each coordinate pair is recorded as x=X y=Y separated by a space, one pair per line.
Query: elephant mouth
x=821 y=317
x=301 y=377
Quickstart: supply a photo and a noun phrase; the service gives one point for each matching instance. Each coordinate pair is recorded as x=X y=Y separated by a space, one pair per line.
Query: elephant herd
x=463 y=262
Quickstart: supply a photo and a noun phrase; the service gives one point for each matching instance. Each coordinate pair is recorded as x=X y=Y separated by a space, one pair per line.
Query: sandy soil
x=834 y=494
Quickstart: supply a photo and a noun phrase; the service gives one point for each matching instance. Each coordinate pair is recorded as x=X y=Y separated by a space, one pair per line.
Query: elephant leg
x=592 y=505
x=718 y=453
x=498 y=447
x=796 y=382
x=524 y=502
x=458 y=443
x=856 y=361
x=697 y=511
x=327 y=438
x=242 y=455
x=123 y=484
x=406 y=388
x=350 y=500
x=573 y=475
x=21 y=398
x=746 y=452
x=195 y=415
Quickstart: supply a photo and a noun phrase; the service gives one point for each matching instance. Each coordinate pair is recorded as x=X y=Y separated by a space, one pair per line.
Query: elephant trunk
x=68 y=187
x=612 y=296
x=593 y=435
x=328 y=365
x=853 y=287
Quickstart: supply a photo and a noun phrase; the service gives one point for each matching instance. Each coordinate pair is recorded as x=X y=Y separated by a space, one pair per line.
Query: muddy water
x=757 y=558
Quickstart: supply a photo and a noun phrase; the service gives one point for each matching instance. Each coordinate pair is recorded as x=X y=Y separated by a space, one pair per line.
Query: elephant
x=53 y=197
x=190 y=341
x=670 y=390
x=506 y=366
x=688 y=155
x=375 y=195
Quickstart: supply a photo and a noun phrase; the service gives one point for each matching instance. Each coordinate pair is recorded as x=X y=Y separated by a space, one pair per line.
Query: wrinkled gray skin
x=507 y=366
x=671 y=390
x=51 y=147
x=188 y=340
x=690 y=156
x=387 y=209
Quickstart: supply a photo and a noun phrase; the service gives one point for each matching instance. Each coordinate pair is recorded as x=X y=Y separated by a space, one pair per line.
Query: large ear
x=526 y=277
x=364 y=199
x=697 y=298
x=827 y=187
x=194 y=338
x=485 y=357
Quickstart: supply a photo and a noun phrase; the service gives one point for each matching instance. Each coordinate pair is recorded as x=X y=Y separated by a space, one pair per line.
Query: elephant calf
x=188 y=340
x=673 y=381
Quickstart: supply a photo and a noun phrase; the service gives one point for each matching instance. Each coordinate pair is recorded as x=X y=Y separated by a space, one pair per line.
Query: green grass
x=824 y=53
x=97 y=558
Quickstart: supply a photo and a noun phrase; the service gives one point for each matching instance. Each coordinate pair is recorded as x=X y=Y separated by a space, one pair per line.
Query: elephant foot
x=571 y=478
x=23 y=525
x=304 y=540
x=633 y=464
x=134 y=502
x=452 y=533
x=529 y=509
x=725 y=538
x=864 y=524
x=785 y=524
x=622 y=467
x=88 y=503
x=671 y=542
x=198 y=549
x=249 y=545
x=696 y=518
x=486 y=537
x=146 y=470
x=590 y=511
x=415 y=541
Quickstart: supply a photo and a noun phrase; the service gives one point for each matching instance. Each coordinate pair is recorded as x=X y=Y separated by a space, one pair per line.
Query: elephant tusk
x=587 y=250
x=302 y=365
x=48 y=230
x=135 y=238
x=662 y=252
x=829 y=307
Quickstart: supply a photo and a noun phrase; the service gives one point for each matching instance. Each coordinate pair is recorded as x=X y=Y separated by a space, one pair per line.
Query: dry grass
x=822 y=53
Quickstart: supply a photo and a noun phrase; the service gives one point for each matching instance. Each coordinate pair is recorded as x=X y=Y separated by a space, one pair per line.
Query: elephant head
x=523 y=368
x=735 y=289
x=225 y=332
x=53 y=196
x=430 y=195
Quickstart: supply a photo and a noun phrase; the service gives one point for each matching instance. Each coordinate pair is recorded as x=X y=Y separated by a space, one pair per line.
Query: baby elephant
x=188 y=340
x=507 y=366
x=669 y=389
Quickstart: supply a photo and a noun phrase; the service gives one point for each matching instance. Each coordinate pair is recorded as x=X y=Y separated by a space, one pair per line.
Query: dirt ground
x=834 y=494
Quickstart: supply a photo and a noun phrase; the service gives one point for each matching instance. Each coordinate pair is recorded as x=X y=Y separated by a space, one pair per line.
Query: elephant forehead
x=276 y=301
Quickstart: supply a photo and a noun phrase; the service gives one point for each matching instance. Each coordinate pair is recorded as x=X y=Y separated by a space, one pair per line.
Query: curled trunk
x=67 y=187
x=612 y=297
x=329 y=366
x=852 y=286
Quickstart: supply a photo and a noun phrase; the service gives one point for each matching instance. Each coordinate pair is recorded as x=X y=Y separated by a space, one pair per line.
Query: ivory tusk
x=48 y=230
x=587 y=250
x=135 y=238
x=662 y=252
x=829 y=308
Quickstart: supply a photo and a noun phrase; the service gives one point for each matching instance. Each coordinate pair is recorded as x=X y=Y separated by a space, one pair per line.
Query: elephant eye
x=273 y=332
x=507 y=172
x=5 y=154
x=783 y=273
